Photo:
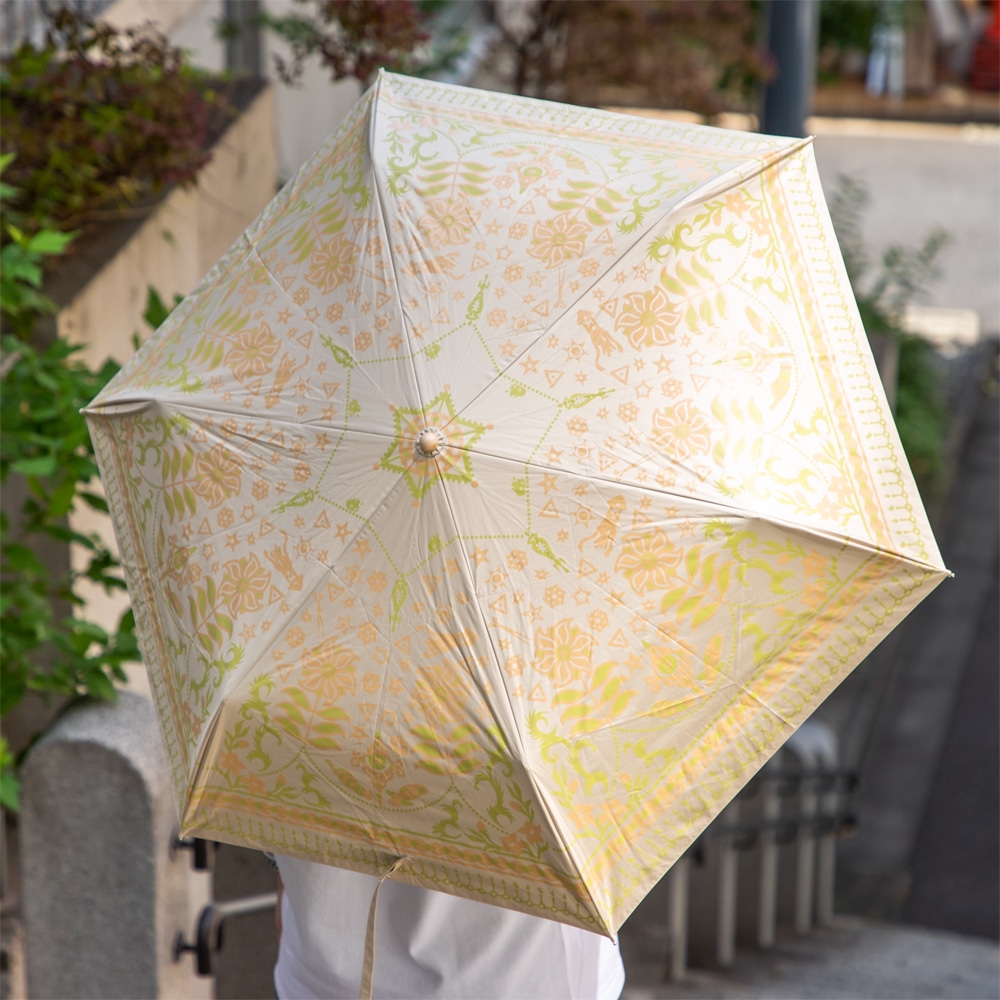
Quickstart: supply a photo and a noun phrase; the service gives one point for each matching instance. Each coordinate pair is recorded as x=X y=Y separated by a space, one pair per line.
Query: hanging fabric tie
x=368 y=969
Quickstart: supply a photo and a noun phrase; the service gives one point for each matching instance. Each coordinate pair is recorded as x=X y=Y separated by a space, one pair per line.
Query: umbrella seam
x=388 y=256
x=744 y=512
x=568 y=841
x=723 y=182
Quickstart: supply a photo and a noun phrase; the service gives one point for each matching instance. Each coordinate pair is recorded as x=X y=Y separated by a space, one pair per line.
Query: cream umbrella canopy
x=507 y=495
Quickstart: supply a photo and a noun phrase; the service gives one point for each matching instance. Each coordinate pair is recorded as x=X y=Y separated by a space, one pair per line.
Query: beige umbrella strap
x=368 y=969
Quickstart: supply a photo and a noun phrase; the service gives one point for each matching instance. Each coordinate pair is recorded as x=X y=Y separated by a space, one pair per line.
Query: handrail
x=208 y=932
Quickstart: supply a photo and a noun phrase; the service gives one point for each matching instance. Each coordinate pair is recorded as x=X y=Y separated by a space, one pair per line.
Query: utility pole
x=791 y=29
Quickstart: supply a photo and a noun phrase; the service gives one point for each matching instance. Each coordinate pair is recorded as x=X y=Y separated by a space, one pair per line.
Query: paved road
x=956 y=859
x=920 y=177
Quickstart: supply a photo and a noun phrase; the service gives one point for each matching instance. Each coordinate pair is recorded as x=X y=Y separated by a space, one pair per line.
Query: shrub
x=44 y=443
x=99 y=117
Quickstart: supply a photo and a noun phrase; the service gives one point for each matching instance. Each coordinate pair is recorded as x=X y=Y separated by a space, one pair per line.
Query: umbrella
x=506 y=496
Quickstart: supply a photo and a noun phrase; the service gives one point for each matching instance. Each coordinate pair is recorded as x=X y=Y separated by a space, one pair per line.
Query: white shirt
x=429 y=945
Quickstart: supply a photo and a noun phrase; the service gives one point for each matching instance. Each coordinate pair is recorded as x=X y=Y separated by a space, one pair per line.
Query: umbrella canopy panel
x=507 y=496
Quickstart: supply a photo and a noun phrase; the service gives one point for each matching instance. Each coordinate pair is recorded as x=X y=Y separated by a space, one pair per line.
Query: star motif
x=616 y=598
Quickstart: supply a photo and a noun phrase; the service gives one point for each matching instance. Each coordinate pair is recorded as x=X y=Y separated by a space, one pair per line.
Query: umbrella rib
x=551 y=816
x=745 y=512
x=470 y=576
x=387 y=253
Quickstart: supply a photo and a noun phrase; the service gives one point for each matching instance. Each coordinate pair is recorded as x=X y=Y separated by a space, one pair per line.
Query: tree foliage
x=352 y=38
x=704 y=57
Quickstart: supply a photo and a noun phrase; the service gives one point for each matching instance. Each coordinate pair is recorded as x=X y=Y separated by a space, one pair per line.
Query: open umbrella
x=506 y=496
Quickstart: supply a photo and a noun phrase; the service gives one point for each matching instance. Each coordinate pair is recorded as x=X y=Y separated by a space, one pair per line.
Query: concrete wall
x=103 y=895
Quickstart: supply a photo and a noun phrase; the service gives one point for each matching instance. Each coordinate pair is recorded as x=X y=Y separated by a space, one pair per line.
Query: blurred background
x=863 y=861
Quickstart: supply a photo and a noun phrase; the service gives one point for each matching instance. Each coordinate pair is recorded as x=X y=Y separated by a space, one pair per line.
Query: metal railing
x=768 y=859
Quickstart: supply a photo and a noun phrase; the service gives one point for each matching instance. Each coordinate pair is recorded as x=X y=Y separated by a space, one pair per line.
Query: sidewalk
x=853 y=960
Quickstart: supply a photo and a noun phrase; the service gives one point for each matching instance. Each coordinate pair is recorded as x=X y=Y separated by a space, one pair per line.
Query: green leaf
x=44 y=466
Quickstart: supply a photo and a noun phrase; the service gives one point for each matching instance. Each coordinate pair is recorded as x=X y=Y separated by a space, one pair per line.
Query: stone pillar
x=103 y=899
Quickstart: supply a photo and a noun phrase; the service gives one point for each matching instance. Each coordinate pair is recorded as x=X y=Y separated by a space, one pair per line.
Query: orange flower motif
x=555 y=242
x=672 y=666
x=253 y=352
x=217 y=475
x=647 y=560
x=681 y=431
x=332 y=265
x=329 y=671
x=448 y=221
x=648 y=319
x=563 y=652
x=511 y=844
x=532 y=833
x=244 y=584
x=231 y=763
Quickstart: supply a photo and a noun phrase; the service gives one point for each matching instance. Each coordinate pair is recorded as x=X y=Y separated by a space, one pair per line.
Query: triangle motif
x=552 y=376
x=618 y=640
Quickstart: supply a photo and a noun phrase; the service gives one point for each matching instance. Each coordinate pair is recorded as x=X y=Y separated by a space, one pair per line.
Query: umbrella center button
x=429 y=443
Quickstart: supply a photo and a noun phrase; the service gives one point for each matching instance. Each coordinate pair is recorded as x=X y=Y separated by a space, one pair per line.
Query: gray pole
x=791 y=29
